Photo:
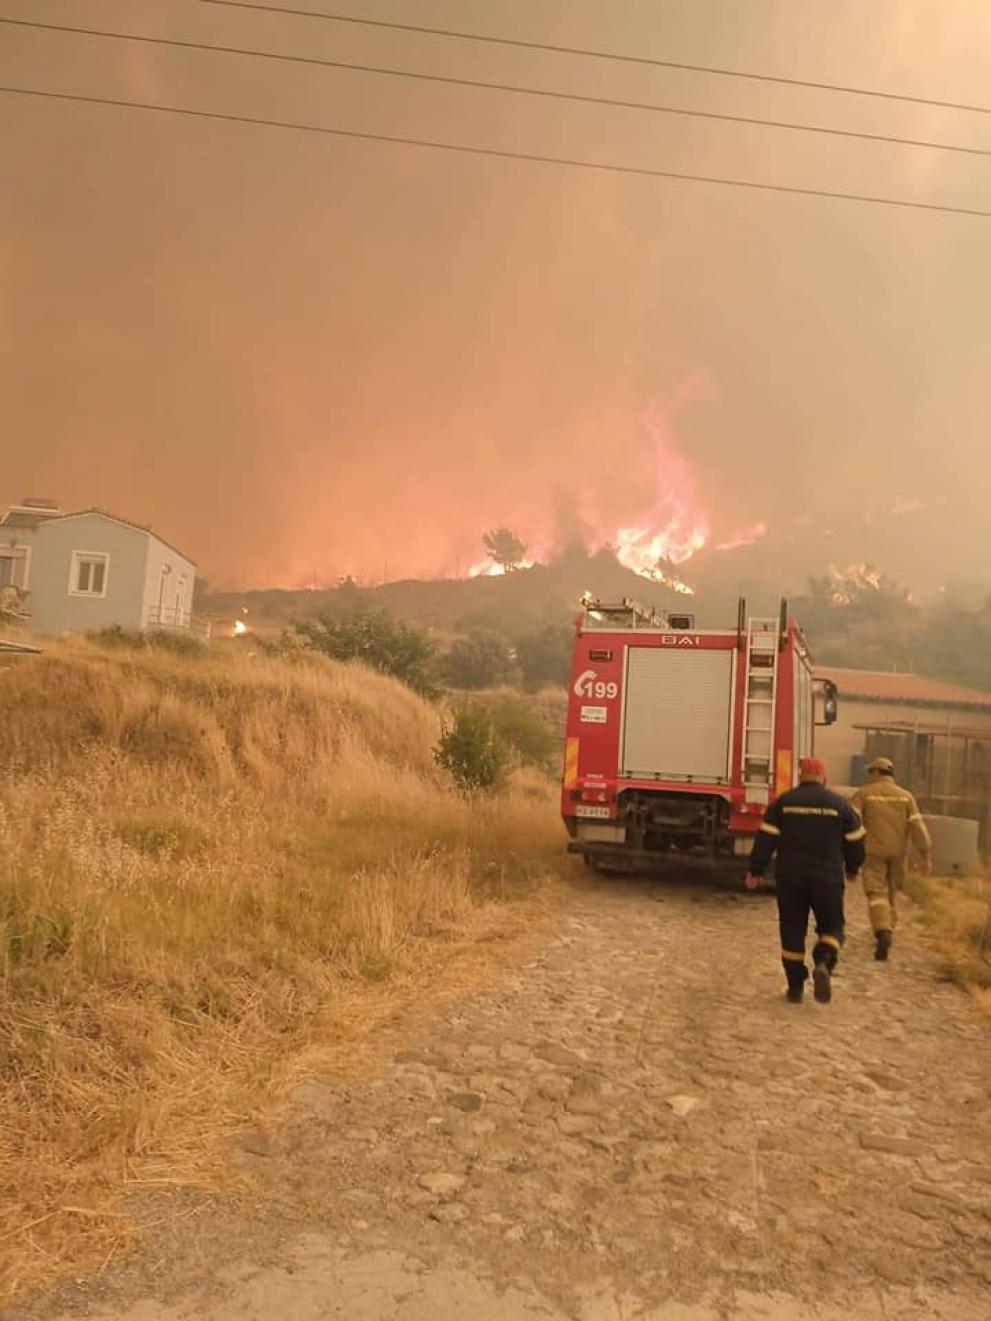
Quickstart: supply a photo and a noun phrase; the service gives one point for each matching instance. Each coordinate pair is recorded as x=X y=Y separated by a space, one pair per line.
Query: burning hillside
x=665 y=523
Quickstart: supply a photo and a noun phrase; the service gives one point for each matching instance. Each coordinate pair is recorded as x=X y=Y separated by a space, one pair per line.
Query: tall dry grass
x=955 y=912
x=196 y=855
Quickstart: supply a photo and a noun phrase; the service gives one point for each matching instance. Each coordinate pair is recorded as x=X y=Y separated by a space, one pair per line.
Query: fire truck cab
x=678 y=737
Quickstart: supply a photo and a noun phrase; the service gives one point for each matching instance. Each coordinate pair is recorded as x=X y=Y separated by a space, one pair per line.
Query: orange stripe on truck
x=784 y=773
x=571 y=762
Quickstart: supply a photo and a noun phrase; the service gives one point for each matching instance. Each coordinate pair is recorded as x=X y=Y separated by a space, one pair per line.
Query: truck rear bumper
x=624 y=858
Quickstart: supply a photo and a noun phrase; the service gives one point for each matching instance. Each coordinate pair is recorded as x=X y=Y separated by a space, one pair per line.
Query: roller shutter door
x=677 y=714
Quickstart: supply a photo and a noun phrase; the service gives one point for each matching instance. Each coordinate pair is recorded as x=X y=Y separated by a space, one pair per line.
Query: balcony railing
x=177 y=619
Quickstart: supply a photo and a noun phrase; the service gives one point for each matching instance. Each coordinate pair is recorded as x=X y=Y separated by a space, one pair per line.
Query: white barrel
x=955 y=845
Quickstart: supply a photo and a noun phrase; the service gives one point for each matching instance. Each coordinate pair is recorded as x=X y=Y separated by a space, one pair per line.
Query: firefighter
x=892 y=819
x=819 y=840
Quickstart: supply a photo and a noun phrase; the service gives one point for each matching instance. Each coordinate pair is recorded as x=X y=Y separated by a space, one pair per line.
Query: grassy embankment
x=200 y=859
x=956 y=916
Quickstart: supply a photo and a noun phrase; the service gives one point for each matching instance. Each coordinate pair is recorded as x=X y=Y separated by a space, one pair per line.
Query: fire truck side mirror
x=830 y=703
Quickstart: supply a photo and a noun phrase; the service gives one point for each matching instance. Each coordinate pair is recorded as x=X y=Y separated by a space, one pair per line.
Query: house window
x=14 y=567
x=88 y=574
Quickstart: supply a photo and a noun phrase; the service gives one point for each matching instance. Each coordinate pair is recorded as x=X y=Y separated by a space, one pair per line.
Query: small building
x=92 y=570
x=938 y=735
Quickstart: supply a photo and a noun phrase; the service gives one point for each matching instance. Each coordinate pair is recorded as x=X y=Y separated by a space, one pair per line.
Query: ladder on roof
x=759 y=708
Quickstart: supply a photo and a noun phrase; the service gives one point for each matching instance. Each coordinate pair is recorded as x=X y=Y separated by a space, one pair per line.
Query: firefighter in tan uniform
x=892 y=820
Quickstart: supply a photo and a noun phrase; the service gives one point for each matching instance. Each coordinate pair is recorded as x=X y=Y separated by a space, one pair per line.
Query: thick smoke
x=301 y=358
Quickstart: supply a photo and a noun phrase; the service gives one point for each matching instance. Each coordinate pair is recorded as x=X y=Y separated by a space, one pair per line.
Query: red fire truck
x=679 y=737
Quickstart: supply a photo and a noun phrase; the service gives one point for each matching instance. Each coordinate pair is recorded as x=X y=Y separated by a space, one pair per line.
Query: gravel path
x=631 y=1123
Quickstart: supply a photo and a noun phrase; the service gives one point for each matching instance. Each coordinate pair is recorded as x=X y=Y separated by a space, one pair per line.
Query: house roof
x=911 y=689
x=125 y=522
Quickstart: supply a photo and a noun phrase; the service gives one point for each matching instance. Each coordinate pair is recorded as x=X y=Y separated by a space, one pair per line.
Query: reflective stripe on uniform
x=792 y=956
x=853 y=835
x=771 y=830
x=916 y=816
x=829 y=940
x=877 y=903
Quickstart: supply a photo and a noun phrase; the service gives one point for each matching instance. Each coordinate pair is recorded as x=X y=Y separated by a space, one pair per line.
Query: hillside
x=511 y=604
x=855 y=616
x=203 y=860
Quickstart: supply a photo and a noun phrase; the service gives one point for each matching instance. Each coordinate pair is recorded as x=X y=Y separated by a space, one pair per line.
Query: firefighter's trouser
x=883 y=878
x=797 y=896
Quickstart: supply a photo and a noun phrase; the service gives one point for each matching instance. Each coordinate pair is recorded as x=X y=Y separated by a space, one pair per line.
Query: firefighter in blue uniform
x=819 y=840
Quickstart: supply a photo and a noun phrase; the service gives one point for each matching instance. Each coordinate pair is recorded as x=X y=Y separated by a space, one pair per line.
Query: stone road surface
x=630 y=1123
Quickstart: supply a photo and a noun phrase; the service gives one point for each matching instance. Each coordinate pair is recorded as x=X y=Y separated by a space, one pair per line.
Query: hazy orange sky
x=299 y=356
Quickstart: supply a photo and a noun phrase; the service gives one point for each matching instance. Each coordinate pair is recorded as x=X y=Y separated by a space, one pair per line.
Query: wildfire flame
x=852 y=580
x=239 y=627
x=668 y=531
x=489 y=568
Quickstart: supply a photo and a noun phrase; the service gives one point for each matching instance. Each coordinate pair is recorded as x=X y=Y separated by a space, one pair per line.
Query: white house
x=93 y=570
x=18 y=526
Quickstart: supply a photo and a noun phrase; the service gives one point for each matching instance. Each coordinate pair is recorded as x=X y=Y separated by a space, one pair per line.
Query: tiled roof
x=914 y=689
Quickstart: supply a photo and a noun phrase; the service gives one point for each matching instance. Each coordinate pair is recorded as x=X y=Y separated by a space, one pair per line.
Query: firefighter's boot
x=822 y=983
x=796 y=974
x=882 y=947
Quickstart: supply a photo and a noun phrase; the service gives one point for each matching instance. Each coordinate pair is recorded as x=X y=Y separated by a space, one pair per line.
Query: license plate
x=594 y=715
x=599 y=812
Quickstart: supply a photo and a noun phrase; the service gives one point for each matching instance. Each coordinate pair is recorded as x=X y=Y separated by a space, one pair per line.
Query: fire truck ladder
x=762 y=692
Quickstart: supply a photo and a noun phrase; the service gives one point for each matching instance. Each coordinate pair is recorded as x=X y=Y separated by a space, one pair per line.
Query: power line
x=531 y=157
x=497 y=87
x=599 y=55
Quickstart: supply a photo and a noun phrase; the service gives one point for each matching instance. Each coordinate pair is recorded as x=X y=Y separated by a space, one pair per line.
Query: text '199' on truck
x=678 y=738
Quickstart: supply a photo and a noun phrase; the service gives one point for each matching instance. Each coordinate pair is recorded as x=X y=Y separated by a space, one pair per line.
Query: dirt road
x=631 y=1123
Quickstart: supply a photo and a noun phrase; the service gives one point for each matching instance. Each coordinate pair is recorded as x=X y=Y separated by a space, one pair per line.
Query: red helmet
x=811 y=768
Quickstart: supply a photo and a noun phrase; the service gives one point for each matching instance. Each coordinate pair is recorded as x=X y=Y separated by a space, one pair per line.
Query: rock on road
x=629 y=1123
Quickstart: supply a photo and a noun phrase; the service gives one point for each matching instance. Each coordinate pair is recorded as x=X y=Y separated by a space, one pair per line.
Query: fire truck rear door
x=677 y=714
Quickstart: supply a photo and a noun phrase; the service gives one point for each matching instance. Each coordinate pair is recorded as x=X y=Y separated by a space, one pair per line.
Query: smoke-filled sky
x=299 y=356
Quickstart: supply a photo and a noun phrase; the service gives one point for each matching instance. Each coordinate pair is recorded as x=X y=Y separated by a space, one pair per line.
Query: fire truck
x=679 y=737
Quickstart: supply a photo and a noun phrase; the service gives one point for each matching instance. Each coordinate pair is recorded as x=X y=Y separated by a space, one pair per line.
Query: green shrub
x=544 y=656
x=480 y=660
x=375 y=638
x=177 y=644
x=522 y=730
x=471 y=751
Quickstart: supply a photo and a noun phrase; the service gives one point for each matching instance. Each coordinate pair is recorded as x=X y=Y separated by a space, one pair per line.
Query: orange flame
x=671 y=528
x=848 y=582
x=489 y=568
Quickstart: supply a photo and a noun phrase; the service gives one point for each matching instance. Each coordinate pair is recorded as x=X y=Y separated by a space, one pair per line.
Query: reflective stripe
x=829 y=940
x=571 y=763
x=877 y=903
x=771 y=830
x=916 y=816
x=792 y=957
x=853 y=835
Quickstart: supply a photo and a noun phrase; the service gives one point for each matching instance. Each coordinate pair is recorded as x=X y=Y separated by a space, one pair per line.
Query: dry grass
x=199 y=857
x=956 y=914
